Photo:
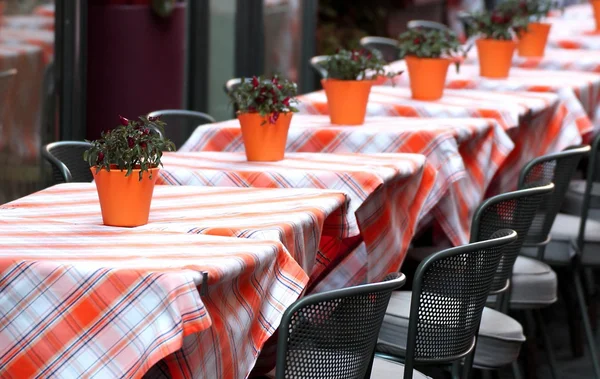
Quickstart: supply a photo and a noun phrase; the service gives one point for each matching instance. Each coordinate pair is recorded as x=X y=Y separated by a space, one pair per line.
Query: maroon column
x=135 y=63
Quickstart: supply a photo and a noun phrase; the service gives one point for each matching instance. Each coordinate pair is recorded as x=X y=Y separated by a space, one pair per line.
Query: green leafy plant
x=265 y=96
x=431 y=43
x=500 y=24
x=134 y=144
x=356 y=65
x=532 y=10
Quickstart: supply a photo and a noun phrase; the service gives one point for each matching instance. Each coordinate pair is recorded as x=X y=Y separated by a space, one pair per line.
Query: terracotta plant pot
x=596 y=8
x=495 y=57
x=347 y=100
x=125 y=200
x=427 y=77
x=532 y=43
x=263 y=141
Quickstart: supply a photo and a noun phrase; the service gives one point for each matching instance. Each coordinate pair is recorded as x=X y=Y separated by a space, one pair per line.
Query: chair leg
x=547 y=343
x=575 y=332
x=516 y=370
x=586 y=322
x=590 y=287
x=531 y=366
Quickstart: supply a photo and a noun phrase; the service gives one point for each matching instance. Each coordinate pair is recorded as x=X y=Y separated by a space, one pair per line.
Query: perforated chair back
x=513 y=210
x=181 y=123
x=557 y=168
x=317 y=64
x=449 y=292
x=66 y=159
x=388 y=47
x=232 y=84
x=425 y=24
x=333 y=334
x=592 y=180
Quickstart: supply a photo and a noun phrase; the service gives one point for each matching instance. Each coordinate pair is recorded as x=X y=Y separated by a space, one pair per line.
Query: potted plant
x=428 y=53
x=350 y=76
x=496 y=44
x=125 y=163
x=265 y=109
x=596 y=9
x=533 y=37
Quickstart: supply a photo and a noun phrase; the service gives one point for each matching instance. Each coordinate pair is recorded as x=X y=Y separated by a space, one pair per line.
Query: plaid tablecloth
x=524 y=115
x=20 y=132
x=42 y=38
x=386 y=192
x=28 y=22
x=299 y=218
x=92 y=301
x=466 y=153
x=46 y=10
x=585 y=86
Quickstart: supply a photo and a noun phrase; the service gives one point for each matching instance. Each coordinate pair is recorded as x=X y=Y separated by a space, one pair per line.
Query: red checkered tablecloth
x=466 y=152
x=93 y=301
x=386 y=192
x=42 y=38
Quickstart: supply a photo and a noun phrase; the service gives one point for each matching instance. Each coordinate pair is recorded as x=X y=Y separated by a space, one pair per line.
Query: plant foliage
x=134 y=144
x=431 y=43
x=532 y=10
x=268 y=97
x=355 y=65
x=500 y=24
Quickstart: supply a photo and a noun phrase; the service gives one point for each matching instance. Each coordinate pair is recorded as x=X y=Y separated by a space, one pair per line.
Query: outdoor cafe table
x=466 y=152
x=571 y=86
x=104 y=289
x=538 y=123
x=92 y=301
x=386 y=191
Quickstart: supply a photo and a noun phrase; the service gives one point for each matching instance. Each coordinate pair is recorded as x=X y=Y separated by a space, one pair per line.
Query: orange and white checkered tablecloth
x=466 y=152
x=386 y=191
x=46 y=10
x=524 y=116
x=298 y=218
x=28 y=22
x=94 y=301
x=584 y=85
x=42 y=38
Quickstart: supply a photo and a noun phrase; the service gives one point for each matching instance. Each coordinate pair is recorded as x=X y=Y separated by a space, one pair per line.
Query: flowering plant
x=265 y=96
x=431 y=43
x=500 y=24
x=134 y=144
x=355 y=65
x=532 y=10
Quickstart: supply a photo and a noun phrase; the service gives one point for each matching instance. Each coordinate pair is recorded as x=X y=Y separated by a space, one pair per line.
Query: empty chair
x=414 y=24
x=333 y=334
x=181 y=123
x=232 y=84
x=317 y=64
x=438 y=322
x=66 y=159
x=388 y=47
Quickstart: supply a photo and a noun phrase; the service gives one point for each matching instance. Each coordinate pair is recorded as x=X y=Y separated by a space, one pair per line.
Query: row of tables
x=79 y=298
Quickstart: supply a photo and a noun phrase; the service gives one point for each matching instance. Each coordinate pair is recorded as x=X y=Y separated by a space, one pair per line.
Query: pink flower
x=123 y=120
x=255 y=82
x=275 y=80
x=100 y=157
x=274 y=117
x=130 y=142
x=143 y=145
x=153 y=118
x=286 y=101
x=146 y=132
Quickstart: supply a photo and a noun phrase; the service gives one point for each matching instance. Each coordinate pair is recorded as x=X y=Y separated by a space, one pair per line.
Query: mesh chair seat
x=66 y=159
x=574 y=199
x=560 y=251
x=386 y=369
x=498 y=344
x=533 y=285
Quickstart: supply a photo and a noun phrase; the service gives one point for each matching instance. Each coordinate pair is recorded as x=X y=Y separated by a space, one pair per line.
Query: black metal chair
x=317 y=64
x=181 y=123
x=66 y=159
x=388 y=47
x=425 y=24
x=446 y=305
x=333 y=334
x=231 y=85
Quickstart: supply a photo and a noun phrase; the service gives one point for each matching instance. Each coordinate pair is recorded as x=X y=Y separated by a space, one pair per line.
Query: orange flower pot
x=495 y=57
x=125 y=200
x=596 y=8
x=263 y=141
x=532 y=43
x=427 y=77
x=347 y=100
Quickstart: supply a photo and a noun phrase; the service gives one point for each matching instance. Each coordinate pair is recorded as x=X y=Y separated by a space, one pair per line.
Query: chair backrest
x=388 y=47
x=425 y=24
x=512 y=210
x=593 y=177
x=232 y=84
x=317 y=64
x=181 y=123
x=557 y=168
x=333 y=334
x=66 y=159
x=449 y=292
